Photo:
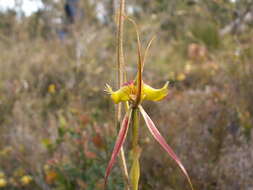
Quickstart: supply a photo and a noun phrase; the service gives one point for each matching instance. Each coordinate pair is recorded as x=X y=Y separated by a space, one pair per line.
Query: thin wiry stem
x=120 y=52
x=135 y=128
x=120 y=71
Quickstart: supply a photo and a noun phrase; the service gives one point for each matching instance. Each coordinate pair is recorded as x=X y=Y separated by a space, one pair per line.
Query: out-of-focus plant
x=207 y=34
x=133 y=93
x=3 y=181
x=82 y=167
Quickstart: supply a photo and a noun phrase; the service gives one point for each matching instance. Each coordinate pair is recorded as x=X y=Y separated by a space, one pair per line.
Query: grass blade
x=160 y=139
x=118 y=144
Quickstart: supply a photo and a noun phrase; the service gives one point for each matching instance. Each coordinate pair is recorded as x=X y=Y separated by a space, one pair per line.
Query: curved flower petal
x=160 y=139
x=118 y=144
x=153 y=94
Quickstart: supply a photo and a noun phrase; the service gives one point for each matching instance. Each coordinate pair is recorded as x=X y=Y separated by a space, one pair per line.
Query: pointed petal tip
x=166 y=84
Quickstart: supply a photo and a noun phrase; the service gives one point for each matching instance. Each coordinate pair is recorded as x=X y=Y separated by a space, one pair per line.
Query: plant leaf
x=118 y=144
x=160 y=139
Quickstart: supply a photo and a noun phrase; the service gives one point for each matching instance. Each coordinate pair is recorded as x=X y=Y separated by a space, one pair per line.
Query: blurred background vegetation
x=56 y=123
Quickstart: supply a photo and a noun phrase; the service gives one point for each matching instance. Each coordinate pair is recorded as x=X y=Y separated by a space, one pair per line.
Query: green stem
x=135 y=128
x=135 y=169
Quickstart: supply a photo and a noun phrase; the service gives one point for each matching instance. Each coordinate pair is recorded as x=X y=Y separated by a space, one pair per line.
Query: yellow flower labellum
x=129 y=92
x=25 y=180
x=153 y=94
x=3 y=182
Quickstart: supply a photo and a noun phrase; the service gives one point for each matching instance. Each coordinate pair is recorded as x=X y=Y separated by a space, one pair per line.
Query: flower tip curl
x=155 y=94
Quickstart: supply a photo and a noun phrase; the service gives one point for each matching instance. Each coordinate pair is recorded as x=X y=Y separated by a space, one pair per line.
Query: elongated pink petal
x=118 y=144
x=160 y=139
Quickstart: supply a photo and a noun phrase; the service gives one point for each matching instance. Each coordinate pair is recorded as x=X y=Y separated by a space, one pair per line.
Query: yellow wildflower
x=181 y=77
x=135 y=92
x=129 y=92
x=3 y=182
x=155 y=94
x=25 y=180
x=52 y=88
x=123 y=94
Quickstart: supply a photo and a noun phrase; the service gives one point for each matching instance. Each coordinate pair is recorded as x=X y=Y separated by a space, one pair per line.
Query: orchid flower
x=134 y=93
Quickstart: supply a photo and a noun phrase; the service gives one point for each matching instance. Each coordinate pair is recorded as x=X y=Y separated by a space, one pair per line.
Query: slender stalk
x=136 y=151
x=120 y=52
x=120 y=73
x=135 y=128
